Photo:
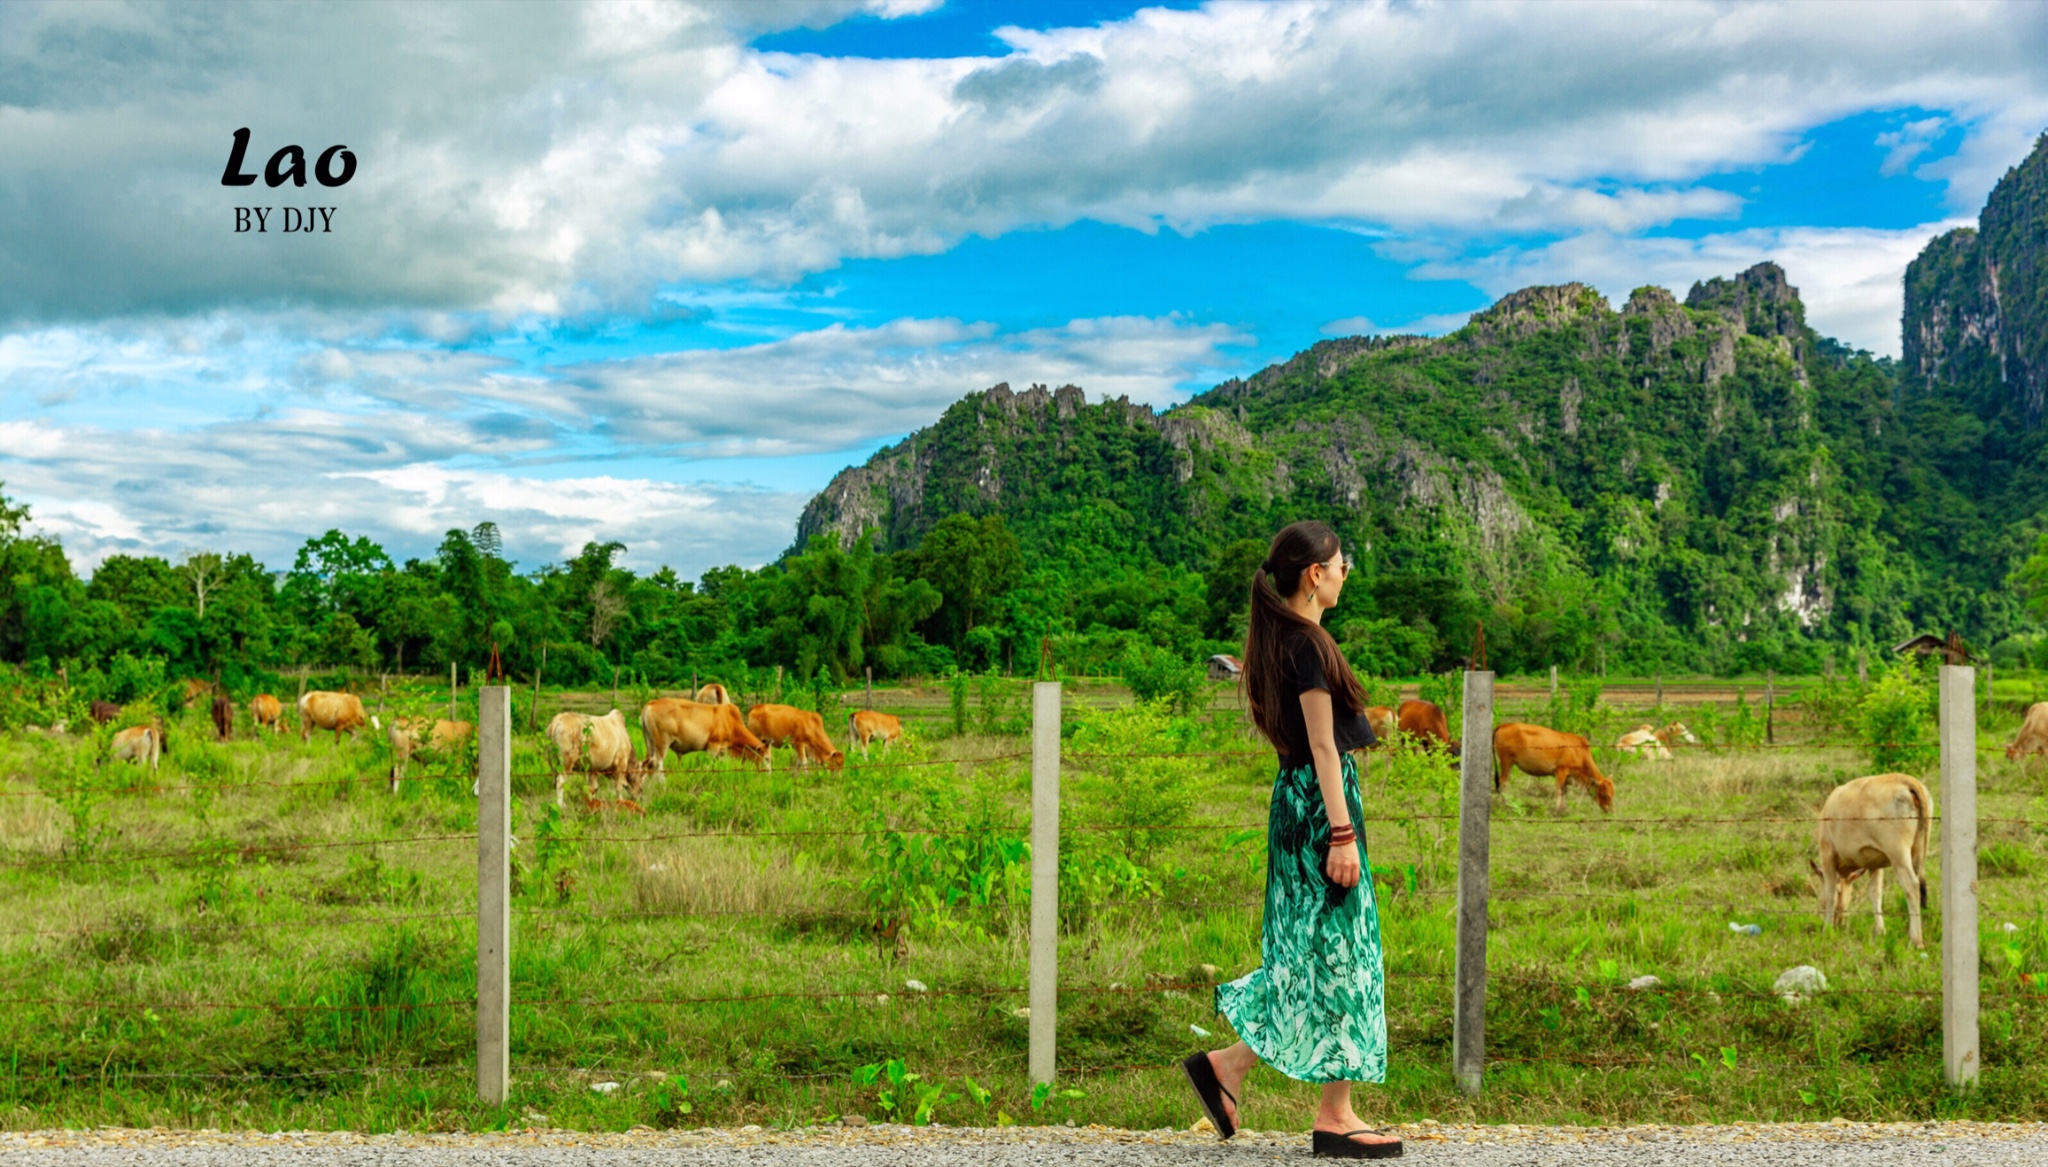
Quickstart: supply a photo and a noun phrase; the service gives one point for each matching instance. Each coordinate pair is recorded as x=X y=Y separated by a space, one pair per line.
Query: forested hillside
x=1696 y=485
x=1700 y=485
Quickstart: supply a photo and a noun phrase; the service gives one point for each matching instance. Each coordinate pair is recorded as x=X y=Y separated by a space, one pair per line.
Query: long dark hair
x=1273 y=624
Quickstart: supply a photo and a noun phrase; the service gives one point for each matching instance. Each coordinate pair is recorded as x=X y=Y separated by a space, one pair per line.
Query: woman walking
x=1315 y=1010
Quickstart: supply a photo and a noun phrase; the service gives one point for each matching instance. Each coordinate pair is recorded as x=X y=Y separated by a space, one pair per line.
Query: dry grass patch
x=719 y=877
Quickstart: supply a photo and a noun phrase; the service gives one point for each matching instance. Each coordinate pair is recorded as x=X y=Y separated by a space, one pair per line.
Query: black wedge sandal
x=1209 y=1089
x=1335 y=1146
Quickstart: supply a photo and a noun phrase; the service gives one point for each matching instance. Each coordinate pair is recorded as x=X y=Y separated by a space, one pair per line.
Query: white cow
x=1867 y=825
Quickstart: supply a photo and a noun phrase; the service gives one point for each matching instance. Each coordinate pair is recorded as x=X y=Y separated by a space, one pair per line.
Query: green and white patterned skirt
x=1316 y=1010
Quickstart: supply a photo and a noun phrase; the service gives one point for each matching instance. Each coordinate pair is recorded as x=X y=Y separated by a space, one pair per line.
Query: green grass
x=252 y=909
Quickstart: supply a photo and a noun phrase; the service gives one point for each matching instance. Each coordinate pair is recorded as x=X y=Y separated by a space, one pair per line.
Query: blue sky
x=654 y=273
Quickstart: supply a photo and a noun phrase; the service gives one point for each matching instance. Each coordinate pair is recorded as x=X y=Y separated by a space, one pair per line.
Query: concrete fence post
x=1045 y=877
x=1958 y=802
x=494 y=893
x=1475 y=822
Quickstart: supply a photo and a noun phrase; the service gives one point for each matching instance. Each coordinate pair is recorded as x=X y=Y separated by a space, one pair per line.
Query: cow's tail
x=1923 y=810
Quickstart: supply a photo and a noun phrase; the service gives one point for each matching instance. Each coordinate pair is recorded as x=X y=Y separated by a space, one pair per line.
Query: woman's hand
x=1342 y=867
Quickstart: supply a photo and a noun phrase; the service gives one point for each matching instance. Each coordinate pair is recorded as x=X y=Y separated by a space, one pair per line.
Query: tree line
x=963 y=599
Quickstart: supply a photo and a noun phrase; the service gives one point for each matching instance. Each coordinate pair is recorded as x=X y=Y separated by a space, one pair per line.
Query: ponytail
x=1273 y=622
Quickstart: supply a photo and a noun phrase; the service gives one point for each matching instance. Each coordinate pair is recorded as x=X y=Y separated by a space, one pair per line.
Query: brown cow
x=1425 y=720
x=223 y=718
x=866 y=725
x=340 y=712
x=104 y=711
x=1867 y=825
x=423 y=735
x=1543 y=752
x=196 y=688
x=1381 y=719
x=267 y=710
x=2033 y=735
x=594 y=745
x=139 y=743
x=687 y=727
x=713 y=694
x=799 y=729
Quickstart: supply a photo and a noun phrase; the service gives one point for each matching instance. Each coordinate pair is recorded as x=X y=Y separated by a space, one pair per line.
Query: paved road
x=1949 y=1146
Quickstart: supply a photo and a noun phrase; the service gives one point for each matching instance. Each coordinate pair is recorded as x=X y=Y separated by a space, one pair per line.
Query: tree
x=1229 y=582
x=970 y=562
x=202 y=571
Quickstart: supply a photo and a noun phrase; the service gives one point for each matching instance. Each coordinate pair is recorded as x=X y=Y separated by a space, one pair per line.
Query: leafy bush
x=1573 y=708
x=1832 y=705
x=1000 y=699
x=1447 y=692
x=1896 y=720
x=1155 y=674
x=1387 y=647
x=957 y=691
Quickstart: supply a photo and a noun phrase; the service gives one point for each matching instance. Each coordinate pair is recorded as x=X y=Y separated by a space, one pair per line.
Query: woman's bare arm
x=1321 y=719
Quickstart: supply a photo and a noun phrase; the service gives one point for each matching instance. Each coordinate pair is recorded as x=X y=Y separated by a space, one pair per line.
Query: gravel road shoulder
x=882 y=1145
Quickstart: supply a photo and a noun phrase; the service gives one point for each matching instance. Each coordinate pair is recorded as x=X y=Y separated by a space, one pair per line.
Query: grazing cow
x=423 y=735
x=104 y=711
x=1544 y=752
x=2033 y=735
x=340 y=712
x=594 y=745
x=687 y=727
x=799 y=729
x=865 y=725
x=713 y=694
x=1381 y=719
x=1424 y=719
x=267 y=710
x=1867 y=825
x=143 y=744
x=223 y=718
x=1642 y=741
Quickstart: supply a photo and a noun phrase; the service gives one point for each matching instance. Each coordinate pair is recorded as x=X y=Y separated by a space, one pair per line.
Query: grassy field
x=273 y=940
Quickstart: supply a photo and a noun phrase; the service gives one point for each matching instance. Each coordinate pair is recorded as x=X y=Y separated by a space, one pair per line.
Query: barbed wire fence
x=494 y=1001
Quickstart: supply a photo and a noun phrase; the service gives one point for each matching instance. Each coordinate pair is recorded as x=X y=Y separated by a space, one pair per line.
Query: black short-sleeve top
x=1301 y=669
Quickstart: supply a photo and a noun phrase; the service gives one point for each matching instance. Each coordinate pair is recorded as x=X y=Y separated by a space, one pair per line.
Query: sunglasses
x=1348 y=564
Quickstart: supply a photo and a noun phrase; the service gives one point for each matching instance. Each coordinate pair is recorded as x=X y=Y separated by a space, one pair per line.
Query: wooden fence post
x=1045 y=877
x=493 y=893
x=871 y=686
x=1660 y=686
x=533 y=711
x=453 y=684
x=1770 y=706
x=1553 y=682
x=1475 y=814
x=1958 y=802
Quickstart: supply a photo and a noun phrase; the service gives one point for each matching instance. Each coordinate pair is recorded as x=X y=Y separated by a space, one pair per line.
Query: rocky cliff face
x=1976 y=317
x=1550 y=429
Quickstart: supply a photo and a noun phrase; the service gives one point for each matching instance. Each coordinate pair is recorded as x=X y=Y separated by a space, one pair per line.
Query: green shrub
x=1896 y=720
x=1154 y=674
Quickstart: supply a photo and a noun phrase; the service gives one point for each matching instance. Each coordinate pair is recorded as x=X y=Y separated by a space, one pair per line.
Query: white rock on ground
x=1644 y=983
x=1802 y=981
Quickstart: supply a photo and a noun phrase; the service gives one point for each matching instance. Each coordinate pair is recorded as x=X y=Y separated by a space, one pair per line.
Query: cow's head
x=1603 y=792
x=836 y=760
